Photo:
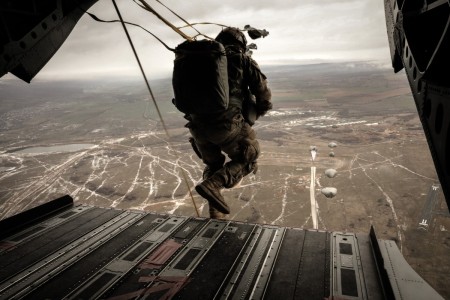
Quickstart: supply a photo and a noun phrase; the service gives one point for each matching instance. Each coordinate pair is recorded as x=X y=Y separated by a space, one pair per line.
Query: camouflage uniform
x=229 y=132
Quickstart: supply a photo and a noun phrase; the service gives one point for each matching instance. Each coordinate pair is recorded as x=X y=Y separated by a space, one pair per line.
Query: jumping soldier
x=229 y=131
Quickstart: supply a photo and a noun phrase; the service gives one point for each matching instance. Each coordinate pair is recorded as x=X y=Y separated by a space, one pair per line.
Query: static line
x=312 y=189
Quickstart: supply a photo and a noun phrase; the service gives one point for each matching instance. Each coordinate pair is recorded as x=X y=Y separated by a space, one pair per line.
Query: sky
x=301 y=31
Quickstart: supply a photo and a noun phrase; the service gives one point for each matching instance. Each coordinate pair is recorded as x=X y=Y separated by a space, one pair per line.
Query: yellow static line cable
x=150 y=9
x=182 y=19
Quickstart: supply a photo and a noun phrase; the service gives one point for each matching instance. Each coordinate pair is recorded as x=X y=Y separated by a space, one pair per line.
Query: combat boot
x=215 y=214
x=210 y=190
x=254 y=167
x=235 y=182
x=209 y=171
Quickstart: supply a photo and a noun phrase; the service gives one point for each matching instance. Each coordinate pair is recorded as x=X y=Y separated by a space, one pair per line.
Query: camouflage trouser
x=235 y=138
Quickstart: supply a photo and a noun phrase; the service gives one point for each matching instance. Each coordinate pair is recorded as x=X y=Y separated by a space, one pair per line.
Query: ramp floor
x=86 y=252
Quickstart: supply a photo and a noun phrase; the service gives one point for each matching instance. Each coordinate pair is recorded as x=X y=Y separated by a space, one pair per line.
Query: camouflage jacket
x=245 y=79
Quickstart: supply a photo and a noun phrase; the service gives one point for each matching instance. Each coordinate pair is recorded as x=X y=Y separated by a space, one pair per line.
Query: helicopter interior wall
x=419 y=34
x=33 y=31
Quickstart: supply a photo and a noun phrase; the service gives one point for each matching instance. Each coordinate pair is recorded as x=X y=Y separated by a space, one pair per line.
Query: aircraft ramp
x=62 y=251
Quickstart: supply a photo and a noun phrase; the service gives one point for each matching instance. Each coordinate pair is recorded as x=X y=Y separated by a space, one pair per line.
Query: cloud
x=299 y=30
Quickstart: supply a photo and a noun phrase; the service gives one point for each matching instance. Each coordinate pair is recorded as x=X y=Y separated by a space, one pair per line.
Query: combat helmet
x=232 y=36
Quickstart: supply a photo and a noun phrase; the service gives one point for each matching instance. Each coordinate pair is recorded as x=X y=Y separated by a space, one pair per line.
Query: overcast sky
x=301 y=31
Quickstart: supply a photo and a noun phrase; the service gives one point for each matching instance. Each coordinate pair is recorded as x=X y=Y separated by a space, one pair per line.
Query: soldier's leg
x=211 y=187
x=213 y=158
x=243 y=152
x=194 y=147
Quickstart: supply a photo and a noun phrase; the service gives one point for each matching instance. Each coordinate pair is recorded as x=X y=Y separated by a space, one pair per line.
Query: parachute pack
x=200 y=77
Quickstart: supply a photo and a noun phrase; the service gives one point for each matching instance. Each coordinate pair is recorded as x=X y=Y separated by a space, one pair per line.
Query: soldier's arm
x=258 y=86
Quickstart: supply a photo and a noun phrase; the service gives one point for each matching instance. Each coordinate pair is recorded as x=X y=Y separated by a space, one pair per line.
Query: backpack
x=200 y=77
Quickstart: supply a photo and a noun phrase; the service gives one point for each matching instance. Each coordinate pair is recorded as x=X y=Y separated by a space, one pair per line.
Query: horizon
x=138 y=76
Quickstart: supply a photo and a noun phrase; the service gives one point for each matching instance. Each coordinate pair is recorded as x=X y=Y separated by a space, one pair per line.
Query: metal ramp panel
x=85 y=252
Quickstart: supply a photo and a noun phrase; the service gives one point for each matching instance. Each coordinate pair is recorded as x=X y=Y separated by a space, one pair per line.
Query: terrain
x=102 y=143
